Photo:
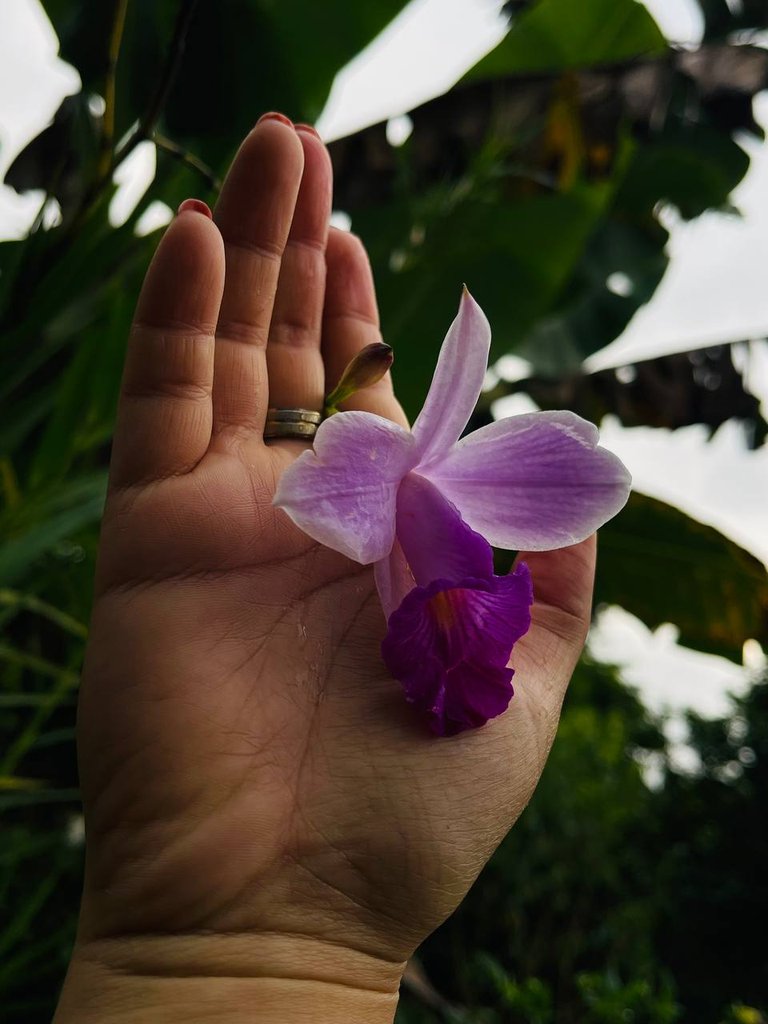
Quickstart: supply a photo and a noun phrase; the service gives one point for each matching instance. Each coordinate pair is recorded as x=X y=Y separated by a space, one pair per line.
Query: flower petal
x=449 y=646
x=435 y=540
x=457 y=382
x=343 y=493
x=533 y=482
x=394 y=580
x=473 y=695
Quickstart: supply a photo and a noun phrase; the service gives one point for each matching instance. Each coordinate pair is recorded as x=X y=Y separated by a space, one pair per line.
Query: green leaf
x=722 y=18
x=60 y=287
x=516 y=257
x=267 y=55
x=83 y=33
x=43 y=796
x=663 y=566
x=283 y=66
x=11 y=257
x=18 y=601
x=20 y=417
x=560 y=35
x=40 y=521
x=86 y=395
x=589 y=315
x=62 y=159
x=694 y=167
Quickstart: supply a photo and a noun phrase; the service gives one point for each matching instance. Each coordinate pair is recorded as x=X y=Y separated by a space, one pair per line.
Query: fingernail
x=307 y=128
x=196 y=206
x=274 y=116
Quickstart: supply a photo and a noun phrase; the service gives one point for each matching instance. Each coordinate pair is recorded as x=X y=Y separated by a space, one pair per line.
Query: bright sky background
x=714 y=291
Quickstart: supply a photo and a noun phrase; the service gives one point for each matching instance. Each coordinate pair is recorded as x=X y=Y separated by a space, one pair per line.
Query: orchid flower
x=425 y=508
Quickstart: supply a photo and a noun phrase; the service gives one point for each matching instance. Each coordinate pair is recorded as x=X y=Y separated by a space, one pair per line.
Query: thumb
x=563 y=583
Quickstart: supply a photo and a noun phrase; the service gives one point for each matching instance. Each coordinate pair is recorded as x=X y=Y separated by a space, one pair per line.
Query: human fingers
x=351 y=321
x=294 y=363
x=254 y=213
x=164 y=417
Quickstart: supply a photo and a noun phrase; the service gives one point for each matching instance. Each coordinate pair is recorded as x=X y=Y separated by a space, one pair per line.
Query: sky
x=714 y=290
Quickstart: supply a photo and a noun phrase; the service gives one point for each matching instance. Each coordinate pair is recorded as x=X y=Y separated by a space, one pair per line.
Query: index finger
x=164 y=415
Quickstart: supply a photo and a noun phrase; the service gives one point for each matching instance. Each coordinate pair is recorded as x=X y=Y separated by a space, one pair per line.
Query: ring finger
x=294 y=362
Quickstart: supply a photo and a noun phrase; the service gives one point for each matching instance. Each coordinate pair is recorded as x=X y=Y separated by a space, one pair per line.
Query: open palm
x=247 y=764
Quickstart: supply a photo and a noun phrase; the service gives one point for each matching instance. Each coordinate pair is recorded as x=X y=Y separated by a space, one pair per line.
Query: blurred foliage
x=612 y=900
x=556 y=36
x=543 y=179
x=722 y=18
x=714 y=592
x=669 y=391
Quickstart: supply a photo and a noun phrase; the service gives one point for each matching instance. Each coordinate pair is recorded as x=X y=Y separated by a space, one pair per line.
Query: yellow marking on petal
x=443 y=608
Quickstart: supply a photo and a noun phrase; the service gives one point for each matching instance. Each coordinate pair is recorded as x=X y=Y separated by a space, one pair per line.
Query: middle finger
x=254 y=214
x=294 y=362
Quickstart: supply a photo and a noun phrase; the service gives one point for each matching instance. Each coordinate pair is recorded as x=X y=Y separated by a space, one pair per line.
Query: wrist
x=226 y=979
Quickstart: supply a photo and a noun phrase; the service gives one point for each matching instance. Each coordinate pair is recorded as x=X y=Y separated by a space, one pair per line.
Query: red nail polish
x=196 y=206
x=274 y=116
x=307 y=128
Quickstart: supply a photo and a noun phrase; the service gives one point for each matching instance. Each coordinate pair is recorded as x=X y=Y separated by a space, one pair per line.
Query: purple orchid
x=453 y=623
x=426 y=507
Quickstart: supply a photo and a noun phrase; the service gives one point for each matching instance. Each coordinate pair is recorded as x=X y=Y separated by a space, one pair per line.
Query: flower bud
x=367 y=368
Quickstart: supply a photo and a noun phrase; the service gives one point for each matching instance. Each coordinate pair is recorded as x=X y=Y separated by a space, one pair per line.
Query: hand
x=268 y=822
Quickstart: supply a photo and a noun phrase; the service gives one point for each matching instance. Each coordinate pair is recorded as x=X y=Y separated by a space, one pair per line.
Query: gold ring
x=300 y=424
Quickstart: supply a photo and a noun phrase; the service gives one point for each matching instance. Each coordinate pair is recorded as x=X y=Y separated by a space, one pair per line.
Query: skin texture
x=266 y=818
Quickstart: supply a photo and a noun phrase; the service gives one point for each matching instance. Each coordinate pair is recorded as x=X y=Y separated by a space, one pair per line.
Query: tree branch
x=146 y=125
x=189 y=159
x=108 y=124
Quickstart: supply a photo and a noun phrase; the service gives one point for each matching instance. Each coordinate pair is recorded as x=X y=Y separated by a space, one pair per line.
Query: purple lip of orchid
x=426 y=506
x=449 y=638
